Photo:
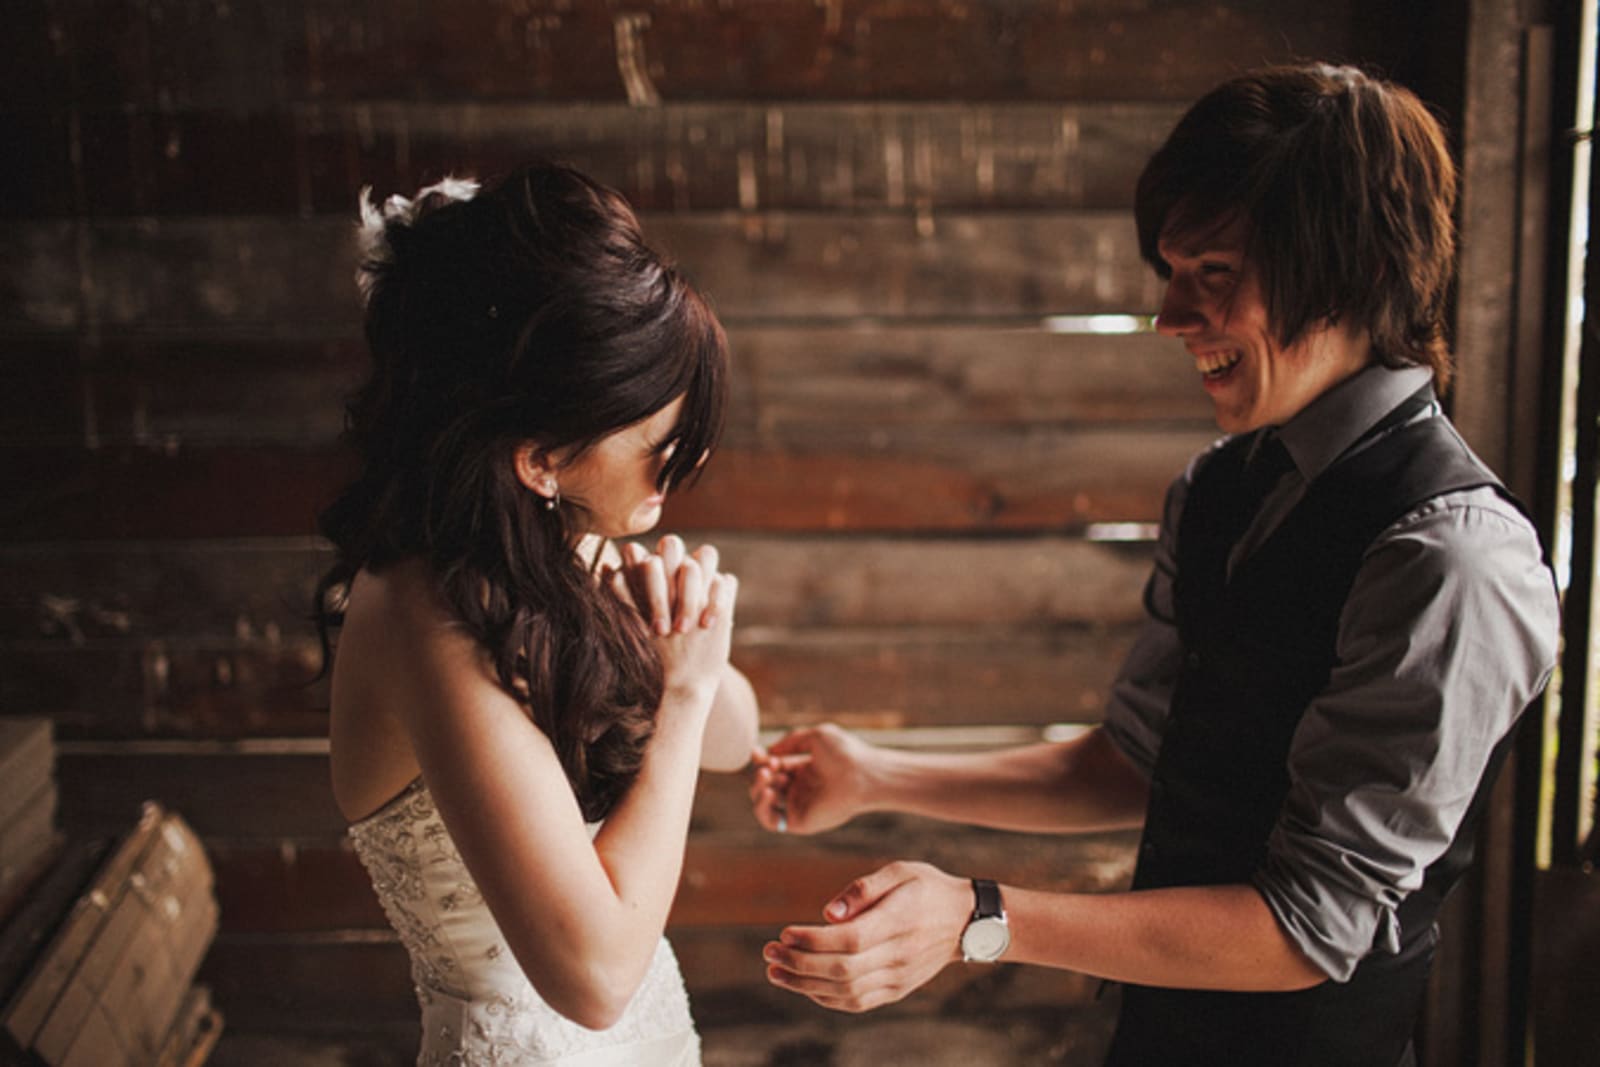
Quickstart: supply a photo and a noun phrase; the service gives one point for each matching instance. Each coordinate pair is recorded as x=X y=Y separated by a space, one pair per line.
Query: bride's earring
x=535 y=470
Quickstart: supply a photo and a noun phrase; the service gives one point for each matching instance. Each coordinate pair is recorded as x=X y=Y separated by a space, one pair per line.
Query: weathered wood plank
x=257 y=686
x=892 y=679
x=39 y=181
x=784 y=156
x=312 y=159
x=175 y=277
x=922 y=477
x=261 y=589
x=813 y=379
x=107 y=689
x=282 y=984
x=790 y=385
x=1566 y=986
x=157 y=162
x=194 y=54
x=42 y=391
x=261 y=795
x=38 y=71
x=370 y=1044
x=258 y=795
x=169 y=395
x=69 y=493
x=41 y=278
x=831 y=428
x=275 y=278
x=908 y=477
x=293 y=888
x=242 y=591
x=748 y=879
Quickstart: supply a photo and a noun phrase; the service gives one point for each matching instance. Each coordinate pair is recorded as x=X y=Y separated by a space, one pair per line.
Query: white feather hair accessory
x=374 y=247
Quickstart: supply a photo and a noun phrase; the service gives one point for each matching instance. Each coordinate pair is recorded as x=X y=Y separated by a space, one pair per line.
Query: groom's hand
x=888 y=934
x=813 y=779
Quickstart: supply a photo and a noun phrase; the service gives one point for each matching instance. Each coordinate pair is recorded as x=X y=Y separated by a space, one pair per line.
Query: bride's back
x=370 y=756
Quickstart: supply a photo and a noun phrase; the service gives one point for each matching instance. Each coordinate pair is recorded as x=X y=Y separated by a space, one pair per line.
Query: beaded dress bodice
x=477 y=1005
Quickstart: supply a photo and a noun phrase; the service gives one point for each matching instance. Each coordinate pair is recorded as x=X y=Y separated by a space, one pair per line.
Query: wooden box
x=109 y=987
x=27 y=804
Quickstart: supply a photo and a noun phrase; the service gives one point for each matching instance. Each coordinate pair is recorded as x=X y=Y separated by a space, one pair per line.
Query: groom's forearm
x=1078 y=785
x=1189 y=937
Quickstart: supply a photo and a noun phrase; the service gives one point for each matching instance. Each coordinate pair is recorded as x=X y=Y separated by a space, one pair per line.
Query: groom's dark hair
x=1346 y=188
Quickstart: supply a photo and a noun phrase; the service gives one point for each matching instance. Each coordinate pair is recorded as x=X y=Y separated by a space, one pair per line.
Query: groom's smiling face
x=1215 y=304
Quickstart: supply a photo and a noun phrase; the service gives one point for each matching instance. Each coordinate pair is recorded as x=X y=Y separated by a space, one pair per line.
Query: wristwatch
x=987 y=936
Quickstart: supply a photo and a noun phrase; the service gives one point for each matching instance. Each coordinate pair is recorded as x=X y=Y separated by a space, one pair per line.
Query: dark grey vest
x=1259 y=646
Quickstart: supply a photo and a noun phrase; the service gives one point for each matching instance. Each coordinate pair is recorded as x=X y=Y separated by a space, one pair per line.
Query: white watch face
x=985 y=939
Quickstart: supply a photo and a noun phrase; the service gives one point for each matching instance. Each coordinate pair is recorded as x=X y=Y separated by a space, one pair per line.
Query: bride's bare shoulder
x=402 y=595
x=397 y=624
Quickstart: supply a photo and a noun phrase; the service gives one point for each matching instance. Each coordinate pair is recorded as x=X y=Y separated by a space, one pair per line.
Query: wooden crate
x=113 y=981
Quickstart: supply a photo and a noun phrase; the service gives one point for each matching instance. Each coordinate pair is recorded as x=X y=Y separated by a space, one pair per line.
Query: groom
x=1346 y=616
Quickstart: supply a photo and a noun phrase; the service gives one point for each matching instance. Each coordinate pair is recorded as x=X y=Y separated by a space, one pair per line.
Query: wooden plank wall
x=902 y=212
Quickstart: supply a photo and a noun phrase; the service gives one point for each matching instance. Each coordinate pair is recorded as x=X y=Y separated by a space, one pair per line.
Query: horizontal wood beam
x=730 y=878
x=177 y=591
x=269 y=795
x=343 y=984
x=904 y=478
x=791 y=386
x=270 y=277
x=254 y=684
x=309 y=159
x=256 y=57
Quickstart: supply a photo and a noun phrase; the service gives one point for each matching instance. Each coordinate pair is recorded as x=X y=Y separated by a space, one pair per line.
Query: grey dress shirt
x=1449 y=631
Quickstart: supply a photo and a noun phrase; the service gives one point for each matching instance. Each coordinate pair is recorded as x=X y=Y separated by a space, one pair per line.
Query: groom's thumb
x=863 y=893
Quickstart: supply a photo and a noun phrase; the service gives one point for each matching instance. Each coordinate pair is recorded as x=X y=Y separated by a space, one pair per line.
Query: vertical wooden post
x=1477 y=1011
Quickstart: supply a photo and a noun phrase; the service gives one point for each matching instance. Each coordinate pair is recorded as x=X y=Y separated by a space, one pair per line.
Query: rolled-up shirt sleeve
x=1449 y=631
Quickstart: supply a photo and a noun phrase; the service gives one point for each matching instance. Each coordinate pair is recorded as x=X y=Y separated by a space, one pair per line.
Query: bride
x=518 y=712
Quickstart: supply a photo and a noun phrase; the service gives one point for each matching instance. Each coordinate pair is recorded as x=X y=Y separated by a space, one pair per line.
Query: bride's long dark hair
x=530 y=310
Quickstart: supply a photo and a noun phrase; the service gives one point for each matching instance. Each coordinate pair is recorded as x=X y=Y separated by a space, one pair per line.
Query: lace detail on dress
x=477 y=1005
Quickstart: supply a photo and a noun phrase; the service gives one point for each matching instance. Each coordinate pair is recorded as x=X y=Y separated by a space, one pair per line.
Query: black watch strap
x=987 y=897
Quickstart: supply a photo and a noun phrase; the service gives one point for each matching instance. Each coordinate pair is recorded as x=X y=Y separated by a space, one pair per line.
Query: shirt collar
x=1324 y=428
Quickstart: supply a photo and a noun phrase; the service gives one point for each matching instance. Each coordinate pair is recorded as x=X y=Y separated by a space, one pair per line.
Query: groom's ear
x=535 y=468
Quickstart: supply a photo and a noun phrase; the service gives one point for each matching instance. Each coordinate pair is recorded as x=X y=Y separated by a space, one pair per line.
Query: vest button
x=1192 y=661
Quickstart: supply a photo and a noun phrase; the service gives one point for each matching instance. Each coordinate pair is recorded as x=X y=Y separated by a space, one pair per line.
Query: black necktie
x=1267 y=464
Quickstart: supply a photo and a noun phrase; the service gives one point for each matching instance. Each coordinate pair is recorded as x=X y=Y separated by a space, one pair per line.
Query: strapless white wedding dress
x=477 y=1005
